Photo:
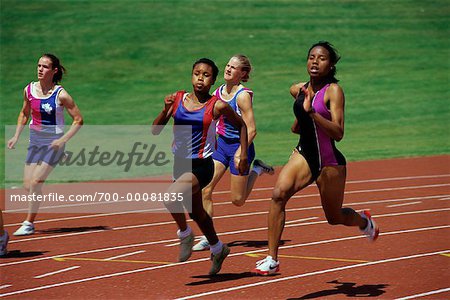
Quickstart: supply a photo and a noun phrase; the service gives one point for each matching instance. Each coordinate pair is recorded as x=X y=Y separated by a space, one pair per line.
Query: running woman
x=45 y=102
x=199 y=110
x=319 y=112
x=240 y=99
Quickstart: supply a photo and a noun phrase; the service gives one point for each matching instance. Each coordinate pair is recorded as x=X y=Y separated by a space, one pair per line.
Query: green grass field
x=124 y=56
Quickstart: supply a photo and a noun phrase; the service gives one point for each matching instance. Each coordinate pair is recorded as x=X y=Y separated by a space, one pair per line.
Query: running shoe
x=371 y=230
x=4 y=243
x=218 y=259
x=265 y=167
x=202 y=245
x=267 y=266
x=186 y=247
x=27 y=228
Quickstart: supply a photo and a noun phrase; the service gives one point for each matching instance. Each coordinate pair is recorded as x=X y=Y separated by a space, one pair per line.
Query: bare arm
x=222 y=108
x=295 y=90
x=77 y=119
x=22 y=120
x=244 y=102
x=334 y=128
x=163 y=117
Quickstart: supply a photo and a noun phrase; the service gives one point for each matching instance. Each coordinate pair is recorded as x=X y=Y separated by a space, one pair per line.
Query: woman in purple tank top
x=319 y=112
x=198 y=110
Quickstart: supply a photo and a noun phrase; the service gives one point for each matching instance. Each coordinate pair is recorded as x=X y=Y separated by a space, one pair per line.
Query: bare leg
x=251 y=180
x=294 y=176
x=242 y=186
x=219 y=170
x=184 y=185
x=199 y=215
x=331 y=184
x=203 y=220
x=239 y=189
x=34 y=178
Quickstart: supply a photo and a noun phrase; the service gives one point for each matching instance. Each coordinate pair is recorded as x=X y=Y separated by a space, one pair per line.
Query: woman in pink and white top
x=44 y=101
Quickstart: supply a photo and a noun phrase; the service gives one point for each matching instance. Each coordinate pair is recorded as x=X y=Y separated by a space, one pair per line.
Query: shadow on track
x=221 y=277
x=20 y=254
x=72 y=229
x=349 y=289
x=253 y=244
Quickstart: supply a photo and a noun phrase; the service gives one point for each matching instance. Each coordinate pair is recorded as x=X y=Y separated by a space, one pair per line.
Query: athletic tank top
x=197 y=138
x=47 y=115
x=314 y=142
x=224 y=127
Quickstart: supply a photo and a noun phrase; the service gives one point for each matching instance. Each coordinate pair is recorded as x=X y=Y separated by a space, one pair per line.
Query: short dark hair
x=56 y=64
x=210 y=63
x=334 y=57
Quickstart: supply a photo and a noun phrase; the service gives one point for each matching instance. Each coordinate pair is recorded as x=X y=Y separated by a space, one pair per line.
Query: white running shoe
x=371 y=230
x=218 y=259
x=202 y=245
x=267 y=266
x=186 y=244
x=27 y=228
x=265 y=167
x=4 y=243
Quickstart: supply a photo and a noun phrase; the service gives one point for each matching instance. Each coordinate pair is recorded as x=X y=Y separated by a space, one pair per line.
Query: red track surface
x=409 y=199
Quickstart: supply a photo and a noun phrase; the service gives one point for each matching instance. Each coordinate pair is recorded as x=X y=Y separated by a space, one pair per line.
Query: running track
x=132 y=255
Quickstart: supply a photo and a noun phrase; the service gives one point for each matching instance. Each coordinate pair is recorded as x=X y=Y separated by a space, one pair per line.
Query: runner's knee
x=207 y=193
x=333 y=220
x=34 y=183
x=280 y=195
x=26 y=184
x=238 y=200
x=336 y=218
x=199 y=216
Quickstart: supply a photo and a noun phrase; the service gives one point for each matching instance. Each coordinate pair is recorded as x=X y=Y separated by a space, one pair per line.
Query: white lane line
x=400 y=188
x=404 y=204
x=88 y=252
x=373 y=190
x=301 y=220
x=124 y=255
x=362 y=181
x=232 y=232
x=206 y=259
x=377 y=262
x=86 y=216
x=444 y=197
x=424 y=294
x=258 y=189
x=223 y=217
x=55 y=236
x=324 y=222
x=56 y=272
x=357 y=192
x=5 y=286
x=219 y=234
x=257 y=229
x=400 y=178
